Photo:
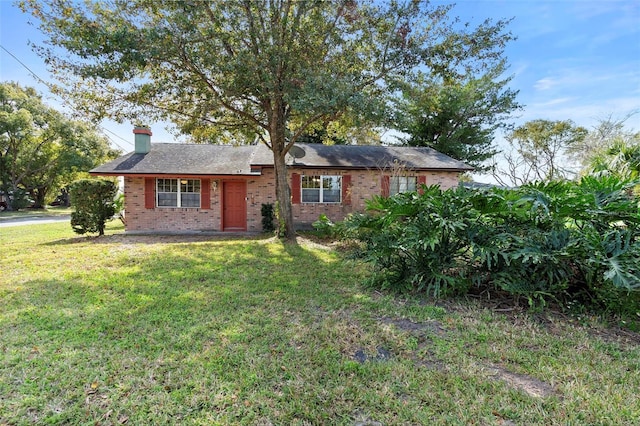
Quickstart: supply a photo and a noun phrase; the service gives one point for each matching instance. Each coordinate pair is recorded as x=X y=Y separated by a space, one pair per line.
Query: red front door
x=234 y=206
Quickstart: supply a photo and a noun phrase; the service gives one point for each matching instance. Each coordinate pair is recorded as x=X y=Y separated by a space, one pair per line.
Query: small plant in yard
x=326 y=228
x=267 y=218
x=94 y=205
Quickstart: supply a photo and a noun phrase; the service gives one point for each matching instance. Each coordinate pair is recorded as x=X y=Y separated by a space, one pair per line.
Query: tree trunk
x=39 y=195
x=283 y=195
x=66 y=200
x=10 y=195
x=283 y=192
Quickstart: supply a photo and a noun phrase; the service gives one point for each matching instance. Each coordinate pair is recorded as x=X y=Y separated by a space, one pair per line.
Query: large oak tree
x=270 y=68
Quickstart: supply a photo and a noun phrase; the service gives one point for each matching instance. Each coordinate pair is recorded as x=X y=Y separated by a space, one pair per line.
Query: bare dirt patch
x=433 y=327
x=530 y=385
x=422 y=331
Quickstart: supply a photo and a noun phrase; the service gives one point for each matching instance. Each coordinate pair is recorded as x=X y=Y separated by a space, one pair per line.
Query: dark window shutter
x=386 y=185
x=149 y=193
x=422 y=180
x=346 y=190
x=205 y=194
x=295 y=188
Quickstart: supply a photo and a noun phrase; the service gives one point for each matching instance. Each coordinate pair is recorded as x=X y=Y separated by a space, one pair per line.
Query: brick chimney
x=143 y=139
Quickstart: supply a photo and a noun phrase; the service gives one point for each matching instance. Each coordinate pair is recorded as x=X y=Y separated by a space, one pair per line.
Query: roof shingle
x=204 y=159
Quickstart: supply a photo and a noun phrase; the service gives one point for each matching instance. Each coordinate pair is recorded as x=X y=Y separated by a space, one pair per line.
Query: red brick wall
x=364 y=185
x=139 y=218
x=260 y=189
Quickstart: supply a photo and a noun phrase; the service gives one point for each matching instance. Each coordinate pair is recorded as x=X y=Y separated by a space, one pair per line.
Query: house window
x=321 y=189
x=398 y=184
x=178 y=192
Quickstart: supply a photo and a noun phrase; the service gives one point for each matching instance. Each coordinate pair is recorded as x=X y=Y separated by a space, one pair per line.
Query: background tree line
x=544 y=151
x=42 y=150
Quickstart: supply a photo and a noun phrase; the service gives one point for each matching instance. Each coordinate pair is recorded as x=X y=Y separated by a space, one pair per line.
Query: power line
x=26 y=67
x=116 y=135
x=64 y=101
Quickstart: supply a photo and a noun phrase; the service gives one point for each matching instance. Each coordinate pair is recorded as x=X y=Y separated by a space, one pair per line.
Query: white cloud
x=545 y=83
x=584 y=114
x=586 y=10
x=556 y=101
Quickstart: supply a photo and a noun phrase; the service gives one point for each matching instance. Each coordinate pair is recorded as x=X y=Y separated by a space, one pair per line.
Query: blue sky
x=573 y=59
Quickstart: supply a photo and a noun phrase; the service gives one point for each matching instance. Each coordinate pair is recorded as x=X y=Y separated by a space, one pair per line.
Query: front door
x=234 y=206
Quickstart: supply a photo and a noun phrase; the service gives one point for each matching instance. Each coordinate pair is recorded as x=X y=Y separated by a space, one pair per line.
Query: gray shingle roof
x=203 y=159
x=174 y=158
x=375 y=156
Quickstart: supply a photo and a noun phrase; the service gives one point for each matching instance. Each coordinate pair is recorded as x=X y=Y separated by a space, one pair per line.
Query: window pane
x=331 y=182
x=310 y=181
x=398 y=184
x=325 y=189
x=394 y=185
x=189 y=199
x=167 y=199
x=331 y=196
x=190 y=185
x=402 y=184
x=331 y=189
x=411 y=183
x=167 y=192
x=167 y=185
x=311 y=195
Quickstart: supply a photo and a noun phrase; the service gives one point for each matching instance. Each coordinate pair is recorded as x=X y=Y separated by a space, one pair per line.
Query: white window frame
x=322 y=188
x=400 y=184
x=181 y=186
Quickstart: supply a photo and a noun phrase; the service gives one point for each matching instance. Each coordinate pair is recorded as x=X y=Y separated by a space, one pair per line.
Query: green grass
x=195 y=330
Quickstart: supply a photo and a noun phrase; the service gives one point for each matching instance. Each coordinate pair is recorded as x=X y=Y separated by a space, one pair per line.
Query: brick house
x=200 y=187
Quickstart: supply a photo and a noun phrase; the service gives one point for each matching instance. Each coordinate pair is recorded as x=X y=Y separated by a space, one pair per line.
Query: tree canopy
x=606 y=142
x=539 y=152
x=270 y=68
x=619 y=157
x=458 y=117
x=41 y=149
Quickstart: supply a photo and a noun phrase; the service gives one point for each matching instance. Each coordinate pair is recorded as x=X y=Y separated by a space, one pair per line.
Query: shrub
x=325 y=227
x=415 y=241
x=94 y=205
x=19 y=199
x=267 y=218
x=559 y=240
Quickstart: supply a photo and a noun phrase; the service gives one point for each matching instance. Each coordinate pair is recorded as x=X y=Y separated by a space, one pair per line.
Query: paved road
x=20 y=221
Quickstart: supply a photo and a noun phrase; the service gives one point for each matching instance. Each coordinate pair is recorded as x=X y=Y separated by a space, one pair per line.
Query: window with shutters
x=178 y=193
x=398 y=184
x=321 y=189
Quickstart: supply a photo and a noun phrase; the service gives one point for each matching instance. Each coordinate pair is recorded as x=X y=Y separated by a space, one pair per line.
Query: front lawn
x=204 y=330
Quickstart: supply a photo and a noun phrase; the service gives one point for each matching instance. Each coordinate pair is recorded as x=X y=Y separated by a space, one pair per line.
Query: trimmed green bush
x=94 y=205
